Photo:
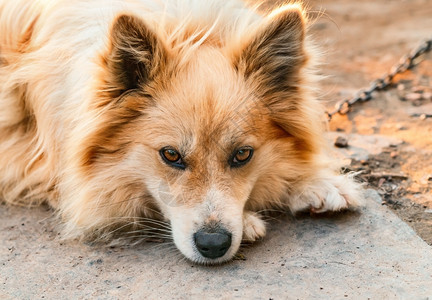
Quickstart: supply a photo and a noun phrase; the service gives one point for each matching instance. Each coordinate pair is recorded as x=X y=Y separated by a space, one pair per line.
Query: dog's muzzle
x=212 y=244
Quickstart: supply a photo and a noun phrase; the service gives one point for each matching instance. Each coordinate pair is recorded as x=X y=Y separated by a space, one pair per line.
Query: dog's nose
x=212 y=244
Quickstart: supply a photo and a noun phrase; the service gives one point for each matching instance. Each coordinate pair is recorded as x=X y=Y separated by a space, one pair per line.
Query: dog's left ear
x=271 y=63
x=135 y=56
x=275 y=54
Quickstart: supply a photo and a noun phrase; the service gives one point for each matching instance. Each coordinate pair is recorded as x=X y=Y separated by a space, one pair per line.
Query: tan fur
x=90 y=92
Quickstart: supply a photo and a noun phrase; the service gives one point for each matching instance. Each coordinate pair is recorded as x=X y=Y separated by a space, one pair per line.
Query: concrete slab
x=371 y=254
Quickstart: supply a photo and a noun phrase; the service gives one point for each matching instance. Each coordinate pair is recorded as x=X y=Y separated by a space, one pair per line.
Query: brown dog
x=199 y=113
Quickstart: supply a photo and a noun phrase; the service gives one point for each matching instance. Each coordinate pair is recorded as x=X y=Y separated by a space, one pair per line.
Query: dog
x=200 y=114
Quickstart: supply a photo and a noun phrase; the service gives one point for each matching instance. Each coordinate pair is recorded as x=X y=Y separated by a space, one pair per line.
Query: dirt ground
x=361 y=40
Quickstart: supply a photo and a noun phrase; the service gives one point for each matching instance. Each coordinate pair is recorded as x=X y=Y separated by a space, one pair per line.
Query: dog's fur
x=90 y=91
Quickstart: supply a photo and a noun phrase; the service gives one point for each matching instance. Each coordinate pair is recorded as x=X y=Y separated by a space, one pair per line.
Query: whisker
x=144 y=229
x=155 y=211
x=147 y=222
x=166 y=246
x=142 y=221
x=144 y=233
x=144 y=237
x=110 y=233
x=183 y=258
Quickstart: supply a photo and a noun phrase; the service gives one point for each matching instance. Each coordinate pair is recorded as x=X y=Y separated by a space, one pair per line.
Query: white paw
x=253 y=227
x=329 y=193
x=329 y=199
x=337 y=193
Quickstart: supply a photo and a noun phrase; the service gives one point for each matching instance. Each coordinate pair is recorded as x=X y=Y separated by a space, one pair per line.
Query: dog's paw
x=253 y=227
x=336 y=193
x=329 y=193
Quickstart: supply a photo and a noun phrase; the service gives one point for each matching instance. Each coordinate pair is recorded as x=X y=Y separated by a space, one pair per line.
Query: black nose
x=212 y=244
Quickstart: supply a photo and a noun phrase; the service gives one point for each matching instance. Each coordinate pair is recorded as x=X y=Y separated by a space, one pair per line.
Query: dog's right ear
x=135 y=55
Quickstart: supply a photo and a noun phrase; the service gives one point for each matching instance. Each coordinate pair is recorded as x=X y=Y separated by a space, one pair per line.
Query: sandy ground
x=360 y=41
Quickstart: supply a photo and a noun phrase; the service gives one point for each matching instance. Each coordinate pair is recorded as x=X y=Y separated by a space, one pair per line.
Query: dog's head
x=206 y=130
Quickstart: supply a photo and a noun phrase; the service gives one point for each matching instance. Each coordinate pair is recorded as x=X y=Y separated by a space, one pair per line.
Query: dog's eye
x=241 y=157
x=172 y=157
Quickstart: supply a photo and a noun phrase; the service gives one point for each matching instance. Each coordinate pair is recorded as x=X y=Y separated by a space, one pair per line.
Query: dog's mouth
x=208 y=232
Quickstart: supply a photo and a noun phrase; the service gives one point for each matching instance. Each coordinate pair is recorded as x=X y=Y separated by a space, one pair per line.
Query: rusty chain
x=405 y=63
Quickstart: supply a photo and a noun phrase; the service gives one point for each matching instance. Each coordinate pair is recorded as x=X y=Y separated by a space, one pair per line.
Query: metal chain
x=405 y=63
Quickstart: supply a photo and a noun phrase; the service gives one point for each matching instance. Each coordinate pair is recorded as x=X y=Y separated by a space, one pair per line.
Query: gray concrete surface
x=369 y=254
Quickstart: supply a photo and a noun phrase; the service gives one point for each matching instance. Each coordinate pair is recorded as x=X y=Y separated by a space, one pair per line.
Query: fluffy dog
x=197 y=113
